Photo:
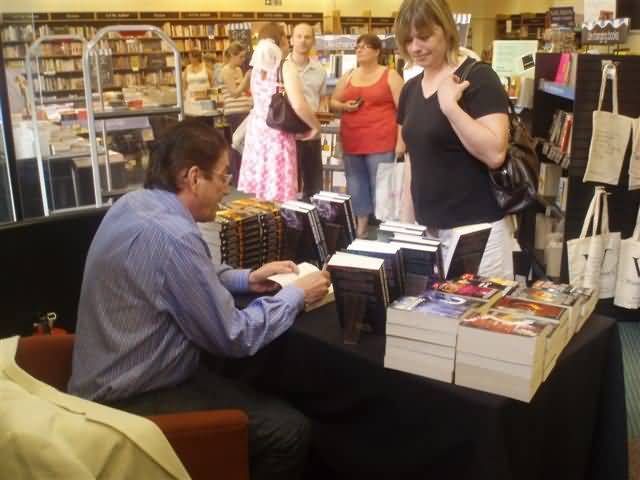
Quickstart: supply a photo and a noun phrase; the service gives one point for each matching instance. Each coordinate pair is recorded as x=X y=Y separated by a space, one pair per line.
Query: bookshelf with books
x=583 y=84
x=521 y=26
x=132 y=56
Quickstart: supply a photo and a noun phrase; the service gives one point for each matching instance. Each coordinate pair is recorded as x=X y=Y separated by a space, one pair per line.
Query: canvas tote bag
x=389 y=182
x=628 y=283
x=609 y=138
x=593 y=259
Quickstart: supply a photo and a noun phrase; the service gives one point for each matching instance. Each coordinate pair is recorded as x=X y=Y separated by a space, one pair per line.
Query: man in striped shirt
x=152 y=301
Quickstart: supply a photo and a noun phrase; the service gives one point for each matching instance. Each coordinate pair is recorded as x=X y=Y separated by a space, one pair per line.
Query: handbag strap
x=593 y=213
x=603 y=86
x=636 y=230
x=605 y=213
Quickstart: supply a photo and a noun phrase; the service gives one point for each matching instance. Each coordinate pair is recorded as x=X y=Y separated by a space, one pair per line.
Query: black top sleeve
x=485 y=94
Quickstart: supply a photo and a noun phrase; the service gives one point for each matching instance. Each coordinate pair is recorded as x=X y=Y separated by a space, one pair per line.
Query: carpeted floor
x=630 y=337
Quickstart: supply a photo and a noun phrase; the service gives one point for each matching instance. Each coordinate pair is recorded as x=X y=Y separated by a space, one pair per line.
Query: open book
x=285 y=279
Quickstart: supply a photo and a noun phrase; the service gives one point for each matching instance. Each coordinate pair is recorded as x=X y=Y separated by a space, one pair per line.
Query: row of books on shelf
x=27 y=33
x=486 y=333
x=336 y=65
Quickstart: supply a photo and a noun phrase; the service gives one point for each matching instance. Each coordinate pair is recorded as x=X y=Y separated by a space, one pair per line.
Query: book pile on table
x=361 y=292
x=485 y=333
x=422 y=332
x=336 y=212
x=304 y=238
x=247 y=234
x=512 y=348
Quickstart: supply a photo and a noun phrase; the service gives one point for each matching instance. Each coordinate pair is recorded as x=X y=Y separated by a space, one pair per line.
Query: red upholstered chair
x=210 y=444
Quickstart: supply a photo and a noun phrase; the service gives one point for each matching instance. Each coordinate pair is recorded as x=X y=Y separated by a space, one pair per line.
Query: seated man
x=152 y=301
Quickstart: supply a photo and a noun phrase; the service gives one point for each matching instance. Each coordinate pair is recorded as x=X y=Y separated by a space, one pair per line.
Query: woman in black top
x=454 y=131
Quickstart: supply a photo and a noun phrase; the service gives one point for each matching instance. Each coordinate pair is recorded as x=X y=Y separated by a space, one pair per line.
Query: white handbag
x=609 y=139
x=628 y=283
x=593 y=260
x=389 y=181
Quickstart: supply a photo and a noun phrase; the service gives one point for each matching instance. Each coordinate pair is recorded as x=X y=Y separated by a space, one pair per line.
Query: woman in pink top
x=368 y=98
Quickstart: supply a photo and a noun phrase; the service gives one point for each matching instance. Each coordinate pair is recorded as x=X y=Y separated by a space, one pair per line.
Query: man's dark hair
x=188 y=143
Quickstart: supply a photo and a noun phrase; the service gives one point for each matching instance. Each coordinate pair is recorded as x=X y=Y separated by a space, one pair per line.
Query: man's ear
x=190 y=178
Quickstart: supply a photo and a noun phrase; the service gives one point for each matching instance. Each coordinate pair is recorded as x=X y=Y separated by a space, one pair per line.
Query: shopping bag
x=634 y=163
x=237 y=139
x=593 y=260
x=389 y=180
x=609 y=138
x=628 y=282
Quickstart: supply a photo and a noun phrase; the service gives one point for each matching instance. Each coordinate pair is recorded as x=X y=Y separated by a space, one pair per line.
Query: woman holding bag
x=269 y=164
x=451 y=148
x=367 y=97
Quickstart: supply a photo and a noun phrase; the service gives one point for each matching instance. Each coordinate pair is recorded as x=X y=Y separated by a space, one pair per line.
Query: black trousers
x=235 y=158
x=279 y=435
x=309 y=167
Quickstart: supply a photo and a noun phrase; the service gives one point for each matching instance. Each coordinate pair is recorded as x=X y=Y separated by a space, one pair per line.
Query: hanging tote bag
x=610 y=254
x=281 y=115
x=609 y=137
x=584 y=253
x=389 y=181
x=628 y=282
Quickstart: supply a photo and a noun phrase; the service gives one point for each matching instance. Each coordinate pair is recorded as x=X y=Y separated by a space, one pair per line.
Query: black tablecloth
x=375 y=423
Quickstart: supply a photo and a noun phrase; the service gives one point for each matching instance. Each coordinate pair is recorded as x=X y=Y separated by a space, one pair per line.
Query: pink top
x=372 y=128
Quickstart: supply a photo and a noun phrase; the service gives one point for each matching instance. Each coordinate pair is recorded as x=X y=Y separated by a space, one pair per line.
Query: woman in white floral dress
x=269 y=165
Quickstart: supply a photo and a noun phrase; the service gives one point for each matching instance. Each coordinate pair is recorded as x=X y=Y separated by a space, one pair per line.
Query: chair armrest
x=210 y=444
x=47 y=358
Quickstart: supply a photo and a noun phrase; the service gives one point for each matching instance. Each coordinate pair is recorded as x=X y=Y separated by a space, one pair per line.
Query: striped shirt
x=152 y=300
x=239 y=104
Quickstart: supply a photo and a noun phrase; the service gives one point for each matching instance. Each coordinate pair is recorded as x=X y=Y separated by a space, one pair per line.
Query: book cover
x=537 y=309
x=467 y=248
x=508 y=323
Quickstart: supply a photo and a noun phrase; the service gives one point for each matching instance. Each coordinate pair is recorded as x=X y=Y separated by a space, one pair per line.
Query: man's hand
x=315 y=286
x=259 y=279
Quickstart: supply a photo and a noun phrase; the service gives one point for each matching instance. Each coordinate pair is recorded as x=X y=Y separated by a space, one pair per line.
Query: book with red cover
x=537 y=309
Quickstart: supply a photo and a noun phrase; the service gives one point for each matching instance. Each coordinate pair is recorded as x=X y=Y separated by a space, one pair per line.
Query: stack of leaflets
x=392 y=256
x=422 y=333
x=303 y=234
x=361 y=291
x=503 y=353
x=335 y=209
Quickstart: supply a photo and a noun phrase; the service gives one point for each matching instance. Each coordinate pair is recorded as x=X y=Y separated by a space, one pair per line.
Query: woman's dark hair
x=188 y=143
x=272 y=31
x=370 y=40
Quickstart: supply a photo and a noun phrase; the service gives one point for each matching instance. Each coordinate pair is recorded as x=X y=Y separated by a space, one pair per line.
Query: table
x=375 y=423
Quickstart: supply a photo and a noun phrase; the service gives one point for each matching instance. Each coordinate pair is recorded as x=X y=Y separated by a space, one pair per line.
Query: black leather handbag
x=515 y=183
x=281 y=115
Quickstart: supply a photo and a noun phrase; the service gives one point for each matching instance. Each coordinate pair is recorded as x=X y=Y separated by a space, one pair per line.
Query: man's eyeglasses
x=225 y=177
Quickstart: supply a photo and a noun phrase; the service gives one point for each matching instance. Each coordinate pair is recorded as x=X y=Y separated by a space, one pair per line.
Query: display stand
x=90 y=55
x=32 y=54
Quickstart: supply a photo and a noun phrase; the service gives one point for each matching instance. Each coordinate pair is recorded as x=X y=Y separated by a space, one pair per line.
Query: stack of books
x=587 y=299
x=361 y=291
x=422 y=333
x=303 y=233
x=221 y=236
x=335 y=209
x=247 y=234
x=393 y=264
x=502 y=353
x=271 y=226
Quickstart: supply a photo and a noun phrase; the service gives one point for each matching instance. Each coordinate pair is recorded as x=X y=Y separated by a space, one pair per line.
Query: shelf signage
x=23 y=17
x=237 y=15
x=273 y=16
x=199 y=15
x=605 y=32
x=316 y=17
x=159 y=15
x=117 y=15
x=73 y=16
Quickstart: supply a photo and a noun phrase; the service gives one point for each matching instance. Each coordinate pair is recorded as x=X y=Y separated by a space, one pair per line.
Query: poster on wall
x=592 y=9
x=510 y=56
